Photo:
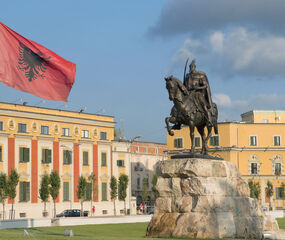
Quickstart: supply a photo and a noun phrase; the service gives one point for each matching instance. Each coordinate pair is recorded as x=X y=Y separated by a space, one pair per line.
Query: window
x=88 y=193
x=65 y=191
x=85 y=158
x=22 y=128
x=1 y=126
x=85 y=134
x=67 y=157
x=46 y=155
x=103 y=135
x=138 y=183
x=278 y=193
x=276 y=140
x=24 y=191
x=214 y=141
x=253 y=168
x=120 y=163
x=66 y=132
x=277 y=169
x=1 y=153
x=197 y=141
x=104 y=191
x=253 y=141
x=178 y=143
x=104 y=159
x=24 y=154
x=45 y=130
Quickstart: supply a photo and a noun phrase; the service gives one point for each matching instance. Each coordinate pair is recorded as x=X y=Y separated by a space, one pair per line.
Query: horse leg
x=167 y=121
x=209 y=128
x=192 y=128
x=203 y=137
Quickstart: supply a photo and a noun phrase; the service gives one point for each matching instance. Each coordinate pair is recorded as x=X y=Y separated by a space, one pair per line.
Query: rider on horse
x=197 y=83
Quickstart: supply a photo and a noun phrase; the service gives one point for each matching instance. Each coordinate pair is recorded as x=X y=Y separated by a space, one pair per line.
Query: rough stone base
x=202 y=198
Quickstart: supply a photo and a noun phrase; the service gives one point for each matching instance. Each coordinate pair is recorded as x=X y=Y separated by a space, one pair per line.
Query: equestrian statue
x=193 y=106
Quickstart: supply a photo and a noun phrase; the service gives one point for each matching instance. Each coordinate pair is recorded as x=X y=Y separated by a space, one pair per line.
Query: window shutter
x=69 y=157
x=64 y=156
x=66 y=191
x=27 y=191
x=21 y=153
x=21 y=191
x=43 y=156
x=175 y=143
x=49 y=155
x=104 y=191
x=85 y=158
x=1 y=157
x=103 y=159
x=26 y=154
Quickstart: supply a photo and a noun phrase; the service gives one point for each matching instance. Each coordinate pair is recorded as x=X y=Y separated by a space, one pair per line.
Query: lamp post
x=130 y=169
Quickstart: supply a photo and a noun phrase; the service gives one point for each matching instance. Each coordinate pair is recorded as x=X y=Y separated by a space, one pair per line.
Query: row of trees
x=8 y=187
x=255 y=190
x=119 y=189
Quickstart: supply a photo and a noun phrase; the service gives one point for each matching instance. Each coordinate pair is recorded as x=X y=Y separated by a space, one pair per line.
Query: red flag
x=30 y=67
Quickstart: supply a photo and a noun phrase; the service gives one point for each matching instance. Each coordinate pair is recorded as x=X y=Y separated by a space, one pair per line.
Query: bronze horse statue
x=186 y=112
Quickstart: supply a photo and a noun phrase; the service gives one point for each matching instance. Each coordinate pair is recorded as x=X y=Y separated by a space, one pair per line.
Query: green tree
x=145 y=192
x=123 y=185
x=54 y=188
x=255 y=189
x=12 y=184
x=81 y=191
x=44 y=190
x=3 y=191
x=92 y=179
x=269 y=192
x=153 y=188
x=118 y=133
x=114 y=191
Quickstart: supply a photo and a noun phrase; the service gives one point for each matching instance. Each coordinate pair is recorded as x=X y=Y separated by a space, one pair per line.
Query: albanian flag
x=30 y=67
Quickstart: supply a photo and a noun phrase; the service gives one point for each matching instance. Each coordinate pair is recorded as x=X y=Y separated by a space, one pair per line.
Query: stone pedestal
x=204 y=198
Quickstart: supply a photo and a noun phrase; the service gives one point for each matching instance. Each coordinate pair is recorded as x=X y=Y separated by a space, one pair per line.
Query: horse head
x=176 y=89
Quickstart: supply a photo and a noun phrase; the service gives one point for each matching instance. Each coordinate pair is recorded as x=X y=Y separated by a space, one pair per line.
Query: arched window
x=253 y=165
x=277 y=165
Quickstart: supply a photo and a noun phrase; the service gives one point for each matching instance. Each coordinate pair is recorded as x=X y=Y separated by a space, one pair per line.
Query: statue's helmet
x=192 y=65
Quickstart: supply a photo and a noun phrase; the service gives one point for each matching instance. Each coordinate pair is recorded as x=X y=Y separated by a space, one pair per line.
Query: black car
x=72 y=213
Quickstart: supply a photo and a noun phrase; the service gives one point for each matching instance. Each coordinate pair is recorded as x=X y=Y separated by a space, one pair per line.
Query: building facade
x=145 y=157
x=36 y=140
x=256 y=145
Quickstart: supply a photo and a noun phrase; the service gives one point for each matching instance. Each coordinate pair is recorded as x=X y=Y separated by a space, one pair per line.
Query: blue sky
x=124 y=49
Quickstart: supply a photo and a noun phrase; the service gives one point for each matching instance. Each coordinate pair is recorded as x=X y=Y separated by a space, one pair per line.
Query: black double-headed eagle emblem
x=33 y=64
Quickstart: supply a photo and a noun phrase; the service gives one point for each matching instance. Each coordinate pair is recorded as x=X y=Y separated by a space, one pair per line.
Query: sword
x=185 y=70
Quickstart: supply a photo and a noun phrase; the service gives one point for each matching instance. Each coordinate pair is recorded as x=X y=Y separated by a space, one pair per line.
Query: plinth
x=204 y=198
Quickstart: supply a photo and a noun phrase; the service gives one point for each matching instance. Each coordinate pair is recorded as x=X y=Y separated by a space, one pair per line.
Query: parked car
x=72 y=213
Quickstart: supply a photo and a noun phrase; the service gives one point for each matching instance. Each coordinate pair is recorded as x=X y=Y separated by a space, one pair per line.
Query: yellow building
x=37 y=140
x=256 y=145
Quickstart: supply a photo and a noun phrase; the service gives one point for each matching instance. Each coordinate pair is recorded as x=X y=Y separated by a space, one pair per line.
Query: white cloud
x=222 y=100
x=230 y=109
x=188 y=49
x=250 y=52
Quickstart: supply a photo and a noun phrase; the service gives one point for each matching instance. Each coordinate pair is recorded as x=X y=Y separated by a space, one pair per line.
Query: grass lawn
x=281 y=222
x=124 y=231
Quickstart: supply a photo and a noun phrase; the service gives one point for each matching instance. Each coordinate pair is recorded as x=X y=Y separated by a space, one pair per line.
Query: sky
x=124 y=49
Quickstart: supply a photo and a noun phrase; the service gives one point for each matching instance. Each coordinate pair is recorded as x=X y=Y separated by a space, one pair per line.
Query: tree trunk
x=125 y=207
x=81 y=212
x=3 y=209
x=12 y=213
x=45 y=206
x=54 y=208
x=114 y=207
